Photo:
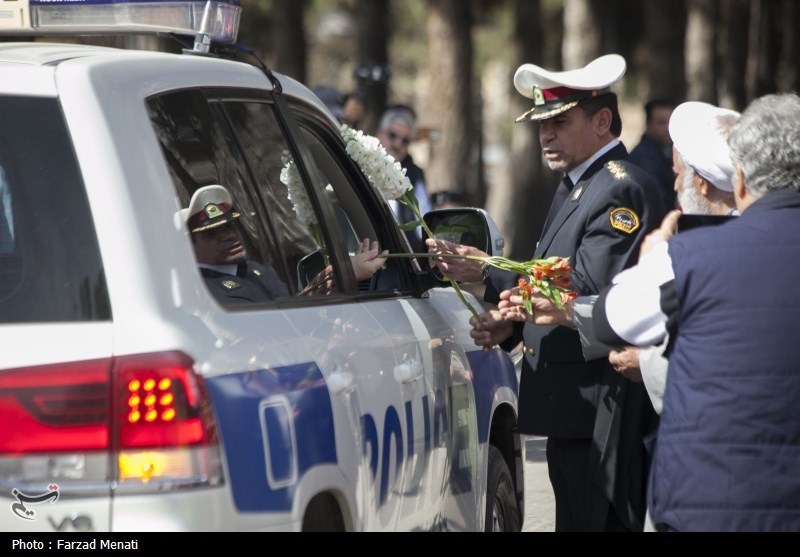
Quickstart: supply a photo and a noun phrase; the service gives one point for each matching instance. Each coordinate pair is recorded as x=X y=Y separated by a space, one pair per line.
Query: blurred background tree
x=454 y=60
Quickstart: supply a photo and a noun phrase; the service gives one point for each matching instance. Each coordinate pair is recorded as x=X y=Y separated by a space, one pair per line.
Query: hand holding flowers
x=490 y=329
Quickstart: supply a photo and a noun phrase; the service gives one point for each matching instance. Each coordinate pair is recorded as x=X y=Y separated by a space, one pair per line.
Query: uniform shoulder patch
x=624 y=219
x=616 y=170
x=230 y=284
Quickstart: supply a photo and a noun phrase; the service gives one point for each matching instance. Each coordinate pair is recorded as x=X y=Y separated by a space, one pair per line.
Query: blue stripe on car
x=275 y=425
x=489 y=370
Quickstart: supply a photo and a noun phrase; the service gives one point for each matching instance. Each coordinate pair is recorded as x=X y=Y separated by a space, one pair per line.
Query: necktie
x=561 y=195
x=241 y=269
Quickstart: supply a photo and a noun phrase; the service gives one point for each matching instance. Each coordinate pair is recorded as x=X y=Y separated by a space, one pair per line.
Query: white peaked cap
x=210 y=207
x=698 y=135
x=557 y=92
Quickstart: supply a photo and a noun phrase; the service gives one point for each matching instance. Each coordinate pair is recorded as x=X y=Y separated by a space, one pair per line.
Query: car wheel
x=502 y=512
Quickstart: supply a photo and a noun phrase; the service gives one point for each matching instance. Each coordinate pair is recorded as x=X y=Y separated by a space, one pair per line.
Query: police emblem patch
x=624 y=219
x=538 y=96
x=230 y=284
x=616 y=170
x=212 y=211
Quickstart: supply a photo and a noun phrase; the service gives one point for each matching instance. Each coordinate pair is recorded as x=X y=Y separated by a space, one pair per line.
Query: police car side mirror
x=309 y=267
x=468 y=226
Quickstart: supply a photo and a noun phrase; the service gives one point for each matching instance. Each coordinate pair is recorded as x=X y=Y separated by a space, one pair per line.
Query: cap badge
x=538 y=96
x=230 y=284
x=616 y=170
x=624 y=219
x=212 y=211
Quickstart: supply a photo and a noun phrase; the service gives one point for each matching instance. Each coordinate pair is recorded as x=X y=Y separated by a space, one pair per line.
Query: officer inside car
x=230 y=275
x=233 y=277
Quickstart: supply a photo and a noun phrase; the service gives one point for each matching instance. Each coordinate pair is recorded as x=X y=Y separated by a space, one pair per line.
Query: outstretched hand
x=669 y=226
x=455 y=268
x=367 y=259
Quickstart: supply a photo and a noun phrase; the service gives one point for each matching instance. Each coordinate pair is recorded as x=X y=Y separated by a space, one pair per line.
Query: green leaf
x=409 y=226
x=528 y=307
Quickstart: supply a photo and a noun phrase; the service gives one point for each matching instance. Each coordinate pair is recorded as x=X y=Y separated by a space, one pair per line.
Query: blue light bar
x=216 y=19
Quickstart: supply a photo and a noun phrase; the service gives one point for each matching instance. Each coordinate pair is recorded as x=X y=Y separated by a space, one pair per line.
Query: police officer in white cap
x=704 y=183
x=232 y=277
x=221 y=253
x=594 y=418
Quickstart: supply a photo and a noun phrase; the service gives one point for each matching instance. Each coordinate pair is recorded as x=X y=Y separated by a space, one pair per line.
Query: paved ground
x=539 y=504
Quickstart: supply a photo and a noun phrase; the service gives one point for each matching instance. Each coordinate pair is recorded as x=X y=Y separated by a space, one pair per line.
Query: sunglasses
x=394 y=137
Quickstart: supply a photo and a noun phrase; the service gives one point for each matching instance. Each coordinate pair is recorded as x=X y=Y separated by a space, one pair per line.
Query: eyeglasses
x=394 y=137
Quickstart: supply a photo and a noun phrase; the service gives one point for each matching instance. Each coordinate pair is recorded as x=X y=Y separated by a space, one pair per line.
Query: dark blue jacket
x=657 y=162
x=561 y=394
x=727 y=454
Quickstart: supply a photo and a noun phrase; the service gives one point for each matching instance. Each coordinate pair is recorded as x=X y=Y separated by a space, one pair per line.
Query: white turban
x=701 y=138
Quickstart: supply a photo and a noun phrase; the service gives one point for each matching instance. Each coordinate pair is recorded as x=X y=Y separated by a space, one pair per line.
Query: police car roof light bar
x=208 y=20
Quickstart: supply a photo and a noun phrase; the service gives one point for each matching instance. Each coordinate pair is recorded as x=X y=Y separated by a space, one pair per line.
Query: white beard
x=690 y=201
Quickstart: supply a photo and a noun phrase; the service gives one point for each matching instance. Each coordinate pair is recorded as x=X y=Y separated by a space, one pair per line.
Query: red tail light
x=161 y=402
x=63 y=407
x=158 y=402
x=139 y=419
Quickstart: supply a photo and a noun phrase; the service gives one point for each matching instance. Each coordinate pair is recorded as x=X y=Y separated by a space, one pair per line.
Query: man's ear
x=702 y=185
x=602 y=120
x=739 y=191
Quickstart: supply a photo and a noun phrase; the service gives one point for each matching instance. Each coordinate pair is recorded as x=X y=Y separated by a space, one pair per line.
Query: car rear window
x=50 y=267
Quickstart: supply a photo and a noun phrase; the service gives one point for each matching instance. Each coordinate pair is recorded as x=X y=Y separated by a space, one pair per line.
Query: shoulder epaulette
x=616 y=170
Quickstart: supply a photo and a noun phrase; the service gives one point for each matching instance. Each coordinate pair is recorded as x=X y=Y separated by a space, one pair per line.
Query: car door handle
x=341 y=382
x=408 y=371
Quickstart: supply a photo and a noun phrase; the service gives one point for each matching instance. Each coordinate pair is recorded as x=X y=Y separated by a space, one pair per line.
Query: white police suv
x=131 y=397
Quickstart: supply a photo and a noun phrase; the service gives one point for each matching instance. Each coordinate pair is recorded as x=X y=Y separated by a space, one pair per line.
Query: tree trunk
x=521 y=209
x=735 y=18
x=665 y=24
x=788 y=72
x=764 y=48
x=701 y=42
x=289 y=38
x=372 y=73
x=581 y=43
x=452 y=166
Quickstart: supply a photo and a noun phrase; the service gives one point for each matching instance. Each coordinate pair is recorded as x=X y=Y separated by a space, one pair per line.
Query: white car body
x=378 y=403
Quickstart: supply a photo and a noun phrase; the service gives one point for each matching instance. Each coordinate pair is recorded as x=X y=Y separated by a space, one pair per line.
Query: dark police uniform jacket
x=253 y=283
x=415 y=174
x=600 y=227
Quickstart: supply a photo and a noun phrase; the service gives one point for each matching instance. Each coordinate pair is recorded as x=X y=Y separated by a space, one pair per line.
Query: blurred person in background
x=354 y=110
x=396 y=130
x=654 y=152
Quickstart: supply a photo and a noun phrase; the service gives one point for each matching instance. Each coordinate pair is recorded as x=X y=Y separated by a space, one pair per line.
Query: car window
x=358 y=210
x=239 y=144
x=297 y=222
x=50 y=265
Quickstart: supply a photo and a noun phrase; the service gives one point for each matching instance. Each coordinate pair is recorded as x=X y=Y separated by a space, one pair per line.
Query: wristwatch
x=485 y=268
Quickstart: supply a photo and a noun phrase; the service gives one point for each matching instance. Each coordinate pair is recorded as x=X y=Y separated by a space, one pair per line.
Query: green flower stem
x=409 y=201
x=524 y=268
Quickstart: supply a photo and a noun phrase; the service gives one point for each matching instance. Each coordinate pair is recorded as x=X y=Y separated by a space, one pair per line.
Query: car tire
x=502 y=512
